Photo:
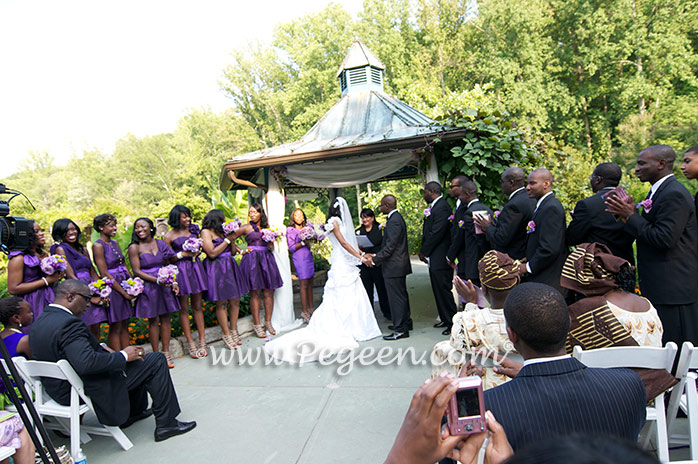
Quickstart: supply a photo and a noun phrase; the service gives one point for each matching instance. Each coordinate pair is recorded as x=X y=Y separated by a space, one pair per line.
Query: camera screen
x=468 y=402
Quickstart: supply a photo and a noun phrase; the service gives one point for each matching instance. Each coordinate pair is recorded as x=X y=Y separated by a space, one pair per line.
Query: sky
x=78 y=75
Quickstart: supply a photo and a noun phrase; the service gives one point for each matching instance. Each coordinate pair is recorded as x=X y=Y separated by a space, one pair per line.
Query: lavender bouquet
x=54 y=263
x=307 y=232
x=193 y=244
x=319 y=232
x=101 y=287
x=269 y=235
x=232 y=226
x=167 y=274
x=133 y=287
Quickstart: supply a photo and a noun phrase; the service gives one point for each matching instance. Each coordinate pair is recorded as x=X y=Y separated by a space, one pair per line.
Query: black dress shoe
x=447 y=331
x=440 y=325
x=396 y=336
x=176 y=428
x=133 y=419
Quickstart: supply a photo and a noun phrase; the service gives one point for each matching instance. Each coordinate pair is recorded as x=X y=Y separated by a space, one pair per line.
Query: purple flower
x=192 y=244
x=460 y=224
x=530 y=227
x=53 y=263
x=167 y=274
x=497 y=213
x=646 y=205
x=269 y=235
x=307 y=232
x=427 y=212
x=450 y=218
x=381 y=226
x=194 y=229
x=101 y=287
x=133 y=287
x=232 y=226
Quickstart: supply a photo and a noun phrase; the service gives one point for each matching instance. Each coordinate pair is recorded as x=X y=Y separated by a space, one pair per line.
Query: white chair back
x=684 y=396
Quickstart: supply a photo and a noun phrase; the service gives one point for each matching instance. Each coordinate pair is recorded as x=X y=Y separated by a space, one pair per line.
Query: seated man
x=116 y=382
x=554 y=394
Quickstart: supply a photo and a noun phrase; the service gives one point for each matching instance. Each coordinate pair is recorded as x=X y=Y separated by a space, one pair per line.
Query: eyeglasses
x=86 y=297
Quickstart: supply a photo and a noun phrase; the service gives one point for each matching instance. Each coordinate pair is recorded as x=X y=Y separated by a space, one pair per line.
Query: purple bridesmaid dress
x=81 y=264
x=41 y=297
x=224 y=279
x=191 y=272
x=259 y=266
x=119 y=308
x=156 y=299
x=302 y=257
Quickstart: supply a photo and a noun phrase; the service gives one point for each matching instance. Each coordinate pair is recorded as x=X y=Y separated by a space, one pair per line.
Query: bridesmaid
x=111 y=263
x=66 y=236
x=190 y=278
x=259 y=268
x=224 y=281
x=25 y=277
x=157 y=302
x=302 y=261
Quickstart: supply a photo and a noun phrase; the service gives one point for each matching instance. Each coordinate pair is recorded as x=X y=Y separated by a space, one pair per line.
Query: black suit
x=592 y=223
x=456 y=251
x=475 y=245
x=563 y=397
x=667 y=259
x=436 y=238
x=545 y=246
x=508 y=235
x=395 y=261
x=117 y=388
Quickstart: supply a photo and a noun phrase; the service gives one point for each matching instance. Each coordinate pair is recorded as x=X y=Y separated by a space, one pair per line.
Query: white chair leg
x=661 y=432
x=120 y=437
x=646 y=445
x=692 y=414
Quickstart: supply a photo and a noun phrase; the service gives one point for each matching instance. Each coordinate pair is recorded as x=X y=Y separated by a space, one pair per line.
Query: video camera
x=14 y=231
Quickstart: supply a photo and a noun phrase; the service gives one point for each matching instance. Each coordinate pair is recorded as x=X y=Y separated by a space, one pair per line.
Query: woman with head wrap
x=611 y=314
x=480 y=332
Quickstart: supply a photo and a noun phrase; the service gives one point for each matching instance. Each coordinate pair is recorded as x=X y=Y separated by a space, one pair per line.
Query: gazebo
x=365 y=137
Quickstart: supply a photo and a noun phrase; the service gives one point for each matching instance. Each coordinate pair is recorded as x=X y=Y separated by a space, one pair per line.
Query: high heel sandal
x=270 y=329
x=229 y=342
x=305 y=316
x=193 y=351
x=202 y=352
x=170 y=361
x=236 y=337
x=259 y=330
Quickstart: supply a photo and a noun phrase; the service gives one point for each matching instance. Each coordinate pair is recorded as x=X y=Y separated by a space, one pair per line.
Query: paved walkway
x=288 y=414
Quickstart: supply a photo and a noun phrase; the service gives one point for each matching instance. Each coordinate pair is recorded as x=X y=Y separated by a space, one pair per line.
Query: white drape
x=283 y=317
x=433 y=169
x=340 y=173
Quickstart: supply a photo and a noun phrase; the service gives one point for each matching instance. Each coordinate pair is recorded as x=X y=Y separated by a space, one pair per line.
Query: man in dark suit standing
x=475 y=244
x=545 y=244
x=508 y=234
x=116 y=382
x=436 y=238
x=592 y=223
x=667 y=243
x=394 y=258
x=554 y=394
x=456 y=250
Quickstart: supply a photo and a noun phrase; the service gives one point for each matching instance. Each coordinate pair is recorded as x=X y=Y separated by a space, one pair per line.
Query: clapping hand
x=621 y=206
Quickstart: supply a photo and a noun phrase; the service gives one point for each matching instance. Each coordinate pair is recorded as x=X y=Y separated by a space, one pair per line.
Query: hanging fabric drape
x=345 y=172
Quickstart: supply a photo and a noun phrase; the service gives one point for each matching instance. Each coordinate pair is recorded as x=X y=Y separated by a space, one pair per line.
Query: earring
x=20 y=324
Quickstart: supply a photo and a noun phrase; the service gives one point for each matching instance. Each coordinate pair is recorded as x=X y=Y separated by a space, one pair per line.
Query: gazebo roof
x=359 y=55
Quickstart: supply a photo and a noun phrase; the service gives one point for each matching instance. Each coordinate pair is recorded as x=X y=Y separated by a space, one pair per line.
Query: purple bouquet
x=133 y=287
x=232 y=226
x=193 y=244
x=194 y=229
x=319 y=231
x=54 y=263
x=269 y=235
x=167 y=274
x=101 y=287
x=307 y=232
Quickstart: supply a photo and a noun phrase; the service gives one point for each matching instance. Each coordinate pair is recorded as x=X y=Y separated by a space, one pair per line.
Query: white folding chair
x=684 y=396
x=638 y=357
x=33 y=371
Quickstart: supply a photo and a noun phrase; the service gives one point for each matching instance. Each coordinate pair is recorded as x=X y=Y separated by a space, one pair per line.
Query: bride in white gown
x=345 y=316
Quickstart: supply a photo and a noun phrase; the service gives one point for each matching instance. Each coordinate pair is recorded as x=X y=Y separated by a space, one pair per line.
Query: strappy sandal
x=305 y=316
x=259 y=330
x=236 y=337
x=170 y=361
x=270 y=329
x=229 y=342
x=193 y=351
x=202 y=352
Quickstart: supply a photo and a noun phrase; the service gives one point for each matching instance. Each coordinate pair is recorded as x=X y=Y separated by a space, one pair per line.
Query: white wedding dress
x=345 y=316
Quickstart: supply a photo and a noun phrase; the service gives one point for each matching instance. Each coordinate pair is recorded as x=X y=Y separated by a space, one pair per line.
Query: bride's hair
x=334 y=210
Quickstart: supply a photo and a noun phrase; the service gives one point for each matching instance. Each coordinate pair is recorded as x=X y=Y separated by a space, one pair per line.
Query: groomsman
x=545 y=243
x=456 y=251
x=474 y=239
x=395 y=261
x=436 y=238
x=508 y=234
x=667 y=243
x=592 y=223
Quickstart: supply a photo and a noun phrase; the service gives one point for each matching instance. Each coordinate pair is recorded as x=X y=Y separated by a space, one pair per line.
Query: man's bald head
x=655 y=162
x=390 y=201
x=513 y=179
x=74 y=295
x=540 y=182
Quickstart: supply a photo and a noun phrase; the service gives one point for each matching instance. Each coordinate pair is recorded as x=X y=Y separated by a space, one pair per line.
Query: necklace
x=15 y=330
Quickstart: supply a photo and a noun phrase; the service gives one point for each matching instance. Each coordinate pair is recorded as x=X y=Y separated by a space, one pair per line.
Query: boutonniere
x=450 y=218
x=530 y=227
x=460 y=224
x=427 y=212
x=381 y=226
x=497 y=213
x=646 y=205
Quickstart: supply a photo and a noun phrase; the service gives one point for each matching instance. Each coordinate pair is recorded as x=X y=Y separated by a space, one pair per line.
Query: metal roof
x=359 y=55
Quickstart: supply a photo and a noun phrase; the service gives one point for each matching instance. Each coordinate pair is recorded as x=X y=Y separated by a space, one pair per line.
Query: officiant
x=372 y=277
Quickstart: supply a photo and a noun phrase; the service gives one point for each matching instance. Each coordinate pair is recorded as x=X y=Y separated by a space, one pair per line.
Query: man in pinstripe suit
x=554 y=394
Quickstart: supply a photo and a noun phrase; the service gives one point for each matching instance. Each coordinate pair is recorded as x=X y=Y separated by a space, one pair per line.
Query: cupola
x=361 y=70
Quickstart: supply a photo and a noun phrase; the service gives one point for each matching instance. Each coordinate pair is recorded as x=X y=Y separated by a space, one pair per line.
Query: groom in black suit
x=436 y=238
x=667 y=243
x=116 y=382
x=395 y=261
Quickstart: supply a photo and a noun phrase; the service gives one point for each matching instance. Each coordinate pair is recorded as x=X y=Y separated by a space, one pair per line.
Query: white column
x=433 y=169
x=283 y=317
